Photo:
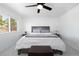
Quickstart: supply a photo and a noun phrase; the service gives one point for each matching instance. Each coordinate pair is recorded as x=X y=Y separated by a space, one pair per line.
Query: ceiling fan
x=40 y=6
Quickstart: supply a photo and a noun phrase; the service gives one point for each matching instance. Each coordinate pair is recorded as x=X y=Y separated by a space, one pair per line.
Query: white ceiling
x=58 y=9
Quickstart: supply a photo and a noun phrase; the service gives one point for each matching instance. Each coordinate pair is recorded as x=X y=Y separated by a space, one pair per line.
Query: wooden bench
x=40 y=51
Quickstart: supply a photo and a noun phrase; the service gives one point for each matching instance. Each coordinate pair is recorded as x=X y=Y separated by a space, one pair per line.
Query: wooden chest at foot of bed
x=40 y=51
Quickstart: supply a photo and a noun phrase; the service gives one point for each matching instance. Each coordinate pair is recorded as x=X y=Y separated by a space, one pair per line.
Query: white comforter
x=53 y=42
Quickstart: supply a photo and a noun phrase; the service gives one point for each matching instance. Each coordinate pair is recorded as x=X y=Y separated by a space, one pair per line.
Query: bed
x=40 y=40
x=40 y=36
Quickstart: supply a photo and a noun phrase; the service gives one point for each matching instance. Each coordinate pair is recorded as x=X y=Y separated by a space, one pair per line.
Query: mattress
x=53 y=42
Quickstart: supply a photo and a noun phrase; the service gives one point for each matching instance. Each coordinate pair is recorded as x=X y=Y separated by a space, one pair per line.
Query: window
x=7 y=24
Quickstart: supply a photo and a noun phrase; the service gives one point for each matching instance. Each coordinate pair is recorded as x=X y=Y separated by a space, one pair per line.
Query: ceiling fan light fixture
x=39 y=7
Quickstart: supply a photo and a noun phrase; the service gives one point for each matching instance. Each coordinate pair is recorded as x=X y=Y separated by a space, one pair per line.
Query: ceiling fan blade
x=46 y=7
x=38 y=11
x=40 y=3
x=31 y=5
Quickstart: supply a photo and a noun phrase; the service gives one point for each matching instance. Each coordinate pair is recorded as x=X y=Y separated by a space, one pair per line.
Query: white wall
x=40 y=21
x=8 y=39
x=69 y=27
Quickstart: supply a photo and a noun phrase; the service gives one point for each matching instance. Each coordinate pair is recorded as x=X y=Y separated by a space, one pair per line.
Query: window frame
x=9 y=24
